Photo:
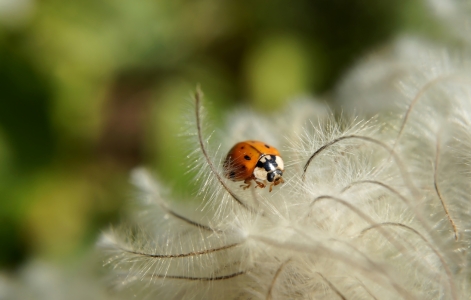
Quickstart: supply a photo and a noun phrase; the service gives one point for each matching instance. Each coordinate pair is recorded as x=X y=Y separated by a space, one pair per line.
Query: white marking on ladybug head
x=260 y=173
x=280 y=163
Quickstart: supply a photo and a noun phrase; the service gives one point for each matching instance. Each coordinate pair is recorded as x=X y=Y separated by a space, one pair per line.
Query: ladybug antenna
x=198 y=97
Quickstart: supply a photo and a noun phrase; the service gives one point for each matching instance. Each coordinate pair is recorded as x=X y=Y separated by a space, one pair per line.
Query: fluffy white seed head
x=362 y=214
x=375 y=209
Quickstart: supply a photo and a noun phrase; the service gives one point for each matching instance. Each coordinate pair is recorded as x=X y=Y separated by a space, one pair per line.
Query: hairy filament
x=392 y=190
x=277 y=274
x=315 y=248
x=371 y=262
x=435 y=184
x=366 y=289
x=332 y=286
x=193 y=223
x=198 y=97
x=440 y=257
x=418 y=96
x=345 y=203
x=191 y=278
x=195 y=253
x=140 y=174
x=402 y=169
x=361 y=215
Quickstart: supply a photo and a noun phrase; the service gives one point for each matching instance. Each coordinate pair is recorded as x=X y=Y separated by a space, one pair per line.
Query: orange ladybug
x=254 y=160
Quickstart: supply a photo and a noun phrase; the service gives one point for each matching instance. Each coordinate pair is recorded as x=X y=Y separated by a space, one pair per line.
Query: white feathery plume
x=369 y=210
x=405 y=70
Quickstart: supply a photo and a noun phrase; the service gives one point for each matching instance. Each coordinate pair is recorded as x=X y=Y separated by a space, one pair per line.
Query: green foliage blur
x=91 y=89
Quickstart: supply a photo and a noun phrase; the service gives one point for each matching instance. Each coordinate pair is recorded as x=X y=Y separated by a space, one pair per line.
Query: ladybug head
x=275 y=176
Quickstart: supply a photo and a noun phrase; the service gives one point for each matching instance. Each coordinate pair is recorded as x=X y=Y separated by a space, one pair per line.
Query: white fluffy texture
x=364 y=222
x=392 y=76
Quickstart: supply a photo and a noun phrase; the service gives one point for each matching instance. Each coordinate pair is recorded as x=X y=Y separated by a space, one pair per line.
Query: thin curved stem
x=315 y=249
x=190 y=278
x=437 y=190
x=440 y=257
x=364 y=217
x=345 y=203
x=185 y=219
x=216 y=278
x=191 y=222
x=416 y=99
x=387 y=236
x=402 y=169
x=189 y=254
x=370 y=262
x=366 y=289
x=277 y=274
x=214 y=171
x=392 y=190
x=375 y=182
x=155 y=198
x=332 y=286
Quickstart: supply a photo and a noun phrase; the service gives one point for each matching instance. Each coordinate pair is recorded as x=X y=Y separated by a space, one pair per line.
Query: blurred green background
x=90 y=89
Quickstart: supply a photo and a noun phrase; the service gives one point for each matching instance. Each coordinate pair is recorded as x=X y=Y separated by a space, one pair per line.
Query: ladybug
x=254 y=160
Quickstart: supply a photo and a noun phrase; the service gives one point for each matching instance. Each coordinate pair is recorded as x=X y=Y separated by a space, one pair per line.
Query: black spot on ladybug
x=242 y=147
x=267 y=146
x=247 y=157
x=232 y=174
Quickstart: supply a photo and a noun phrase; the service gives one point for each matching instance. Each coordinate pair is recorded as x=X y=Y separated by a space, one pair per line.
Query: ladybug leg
x=276 y=183
x=247 y=182
x=260 y=184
